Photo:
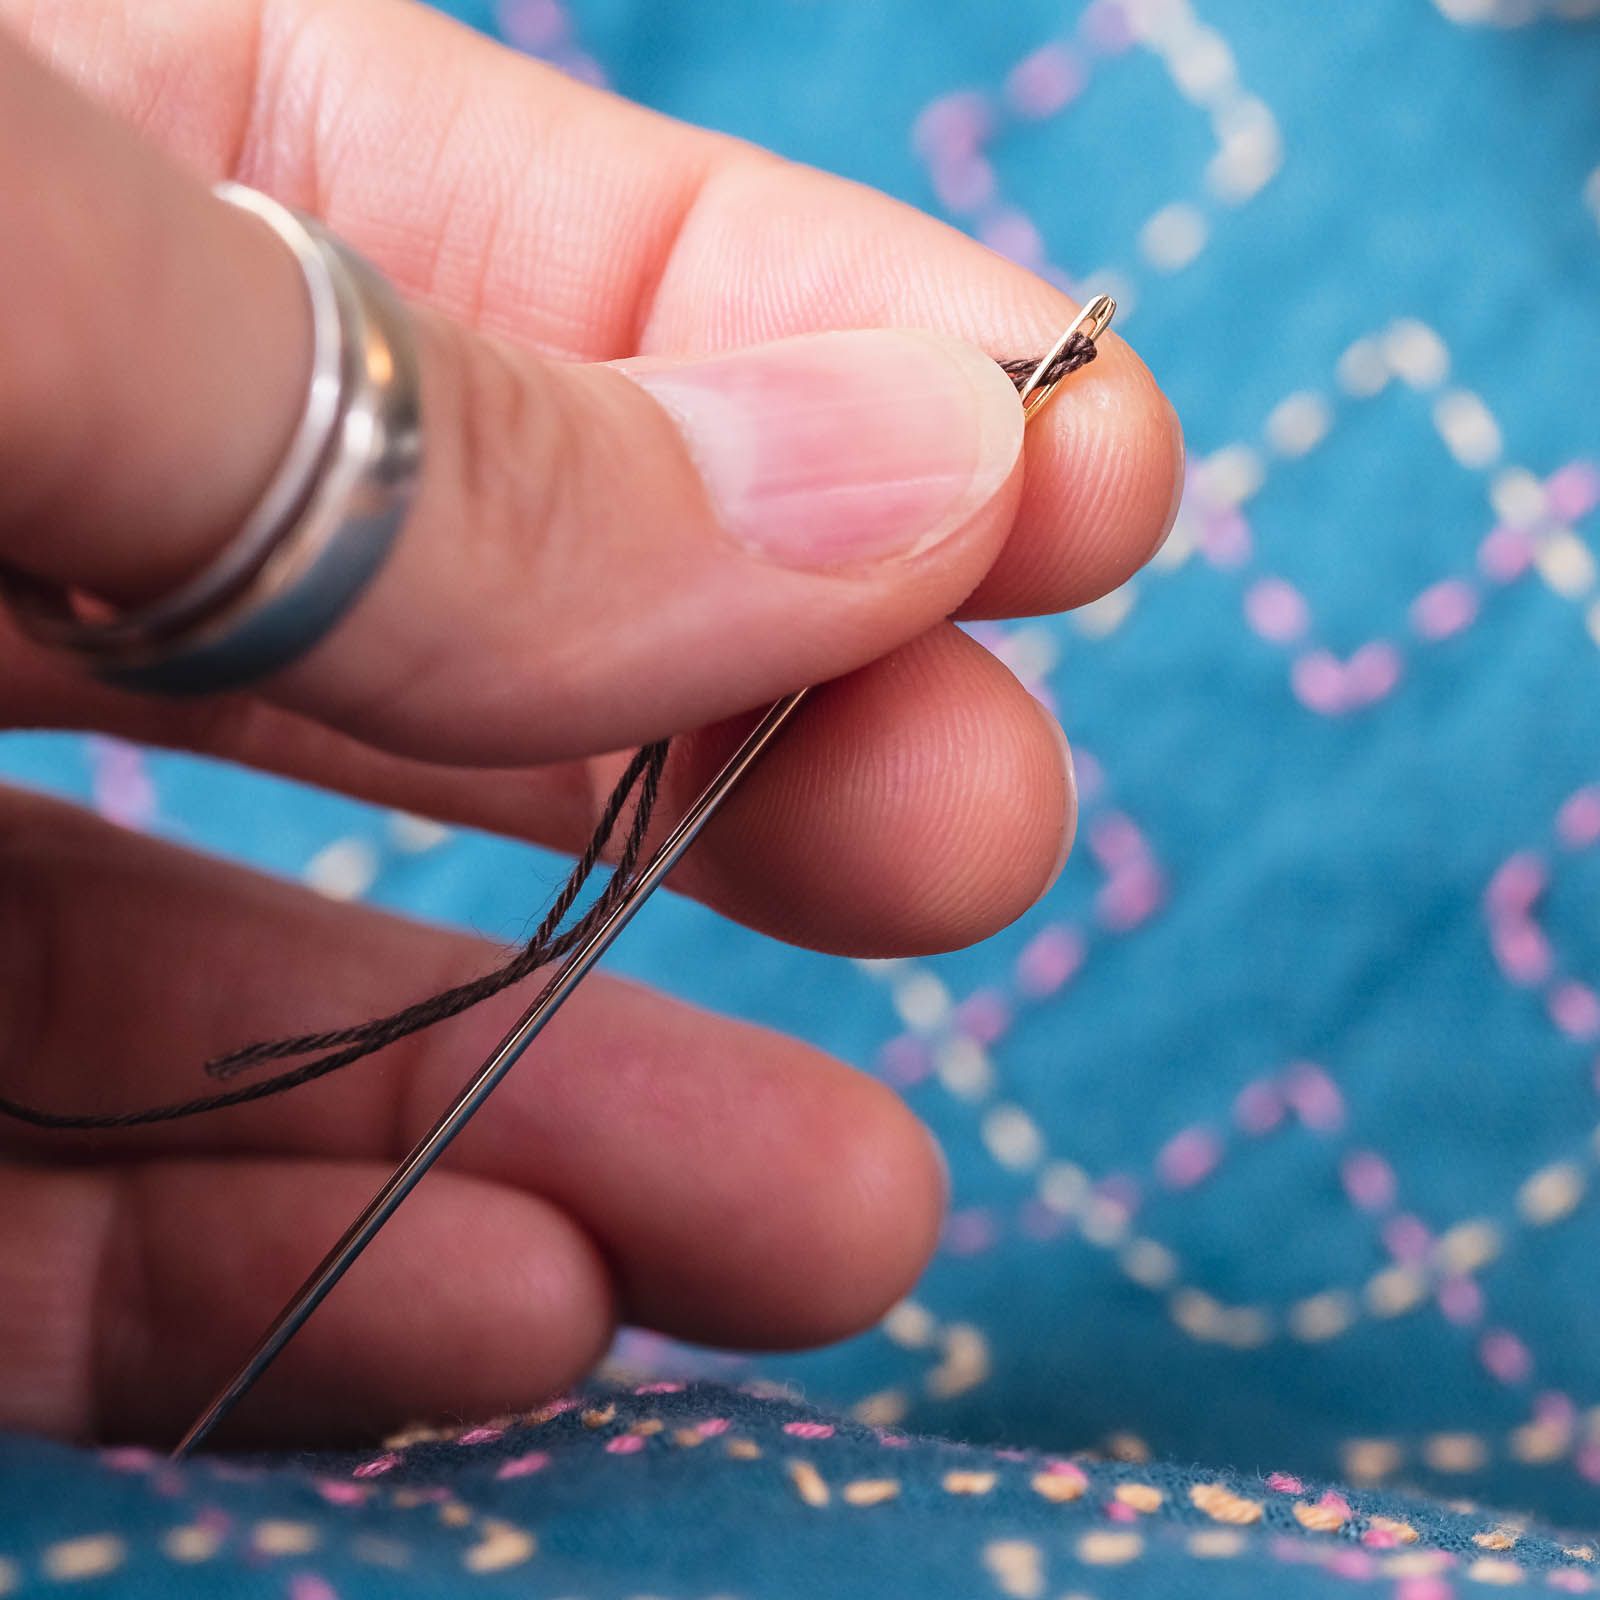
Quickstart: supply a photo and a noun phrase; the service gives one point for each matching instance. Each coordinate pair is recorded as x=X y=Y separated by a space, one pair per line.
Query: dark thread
x=641 y=781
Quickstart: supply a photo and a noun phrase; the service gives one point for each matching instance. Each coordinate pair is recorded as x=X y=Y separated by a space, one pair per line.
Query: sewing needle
x=1091 y=322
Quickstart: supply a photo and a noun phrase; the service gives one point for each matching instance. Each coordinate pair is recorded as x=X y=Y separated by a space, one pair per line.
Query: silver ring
x=320 y=531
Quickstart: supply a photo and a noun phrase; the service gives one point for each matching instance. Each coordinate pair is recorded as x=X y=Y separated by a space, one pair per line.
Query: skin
x=661 y=1165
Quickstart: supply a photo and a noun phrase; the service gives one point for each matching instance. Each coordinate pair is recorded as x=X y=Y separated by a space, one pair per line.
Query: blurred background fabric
x=1274 y=1130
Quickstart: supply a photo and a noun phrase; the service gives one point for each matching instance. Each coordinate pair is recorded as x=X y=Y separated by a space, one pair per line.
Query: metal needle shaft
x=1092 y=322
x=409 y=1173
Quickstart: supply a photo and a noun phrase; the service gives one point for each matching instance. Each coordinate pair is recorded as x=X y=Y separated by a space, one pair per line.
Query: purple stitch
x=1276 y=610
x=809 y=1430
x=1444 y=609
x=1046 y=82
x=1368 y=1180
x=904 y=1060
x=1461 y=1300
x=1259 y=1107
x=1050 y=960
x=1188 y=1158
x=1578 y=821
x=1506 y=1356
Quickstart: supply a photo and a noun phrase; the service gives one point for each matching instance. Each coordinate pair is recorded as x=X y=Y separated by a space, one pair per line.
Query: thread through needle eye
x=1034 y=393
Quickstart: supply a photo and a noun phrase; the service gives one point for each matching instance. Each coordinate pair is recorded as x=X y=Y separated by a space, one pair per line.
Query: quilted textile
x=1274 y=1129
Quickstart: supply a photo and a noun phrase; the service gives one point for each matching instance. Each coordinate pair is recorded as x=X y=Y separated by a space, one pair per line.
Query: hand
x=605 y=549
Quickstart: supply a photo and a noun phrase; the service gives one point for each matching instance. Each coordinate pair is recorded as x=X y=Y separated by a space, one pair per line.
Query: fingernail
x=840 y=448
x=1069 y=818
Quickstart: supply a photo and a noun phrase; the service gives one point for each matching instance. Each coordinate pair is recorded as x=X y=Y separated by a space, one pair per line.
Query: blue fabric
x=1272 y=1129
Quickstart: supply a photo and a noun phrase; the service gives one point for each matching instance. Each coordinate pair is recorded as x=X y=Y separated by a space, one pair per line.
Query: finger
x=613 y=231
x=129 y=1294
x=858 y=832
x=594 y=559
x=745 y=1188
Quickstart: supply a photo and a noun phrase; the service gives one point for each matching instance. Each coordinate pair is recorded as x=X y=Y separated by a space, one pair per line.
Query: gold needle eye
x=1091 y=322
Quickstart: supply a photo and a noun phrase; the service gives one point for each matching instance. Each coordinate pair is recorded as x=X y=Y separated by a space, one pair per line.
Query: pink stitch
x=1578 y=821
x=1188 y=1158
x=1225 y=538
x=1407 y=1239
x=1010 y=1455
x=533 y=25
x=1331 y=1500
x=1521 y=951
x=1285 y=1483
x=966 y=1233
x=893 y=1441
x=524 y=1466
x=1368 y=1180
x=1044 y=83
x=1515 y=888
x=1461 y=1300
x=1380 y=1539
x=1049 y=960
x=308 y=1586
x=1352 y=1563
x=712 y=1427
x=1425 y=1588
x=1505 y=554
x=1276 y=610
x=1116 y=841
x=1575 y=1009
x=625 y=1444
x=481 y=1435
x=1314 y=1096
x=1444 y=608
x=1506 y=1356
x=1070 y=1470
x=1091 y=775
x=1105 y=23
x=954 y=124
x=1010 y=233
x=1115 y=1511
x=1259 y=1107
x=1130 y=896
x=904 y=1060
x=809 y=1430
x=963 y=183
x=123 y=790
x=661 y=1386
x=377 y=1466
x=1039 y=1221
x=1573 y=491
x=1570 y=1579
x=983 y=1015
x=1554 y=1409
x=339 y=1493
x=1325 y=684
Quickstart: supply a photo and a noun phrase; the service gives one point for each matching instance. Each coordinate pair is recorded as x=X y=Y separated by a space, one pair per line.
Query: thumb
x=597 y=555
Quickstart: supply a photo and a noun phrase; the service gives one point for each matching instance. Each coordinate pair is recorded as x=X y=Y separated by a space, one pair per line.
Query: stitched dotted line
x=953 y=135
x=544 y=28
x=1533 y=528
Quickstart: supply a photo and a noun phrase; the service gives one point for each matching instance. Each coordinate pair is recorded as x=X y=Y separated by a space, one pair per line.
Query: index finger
x=513 y=199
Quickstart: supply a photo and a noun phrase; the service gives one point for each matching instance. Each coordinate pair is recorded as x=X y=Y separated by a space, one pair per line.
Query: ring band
x=320 y=531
